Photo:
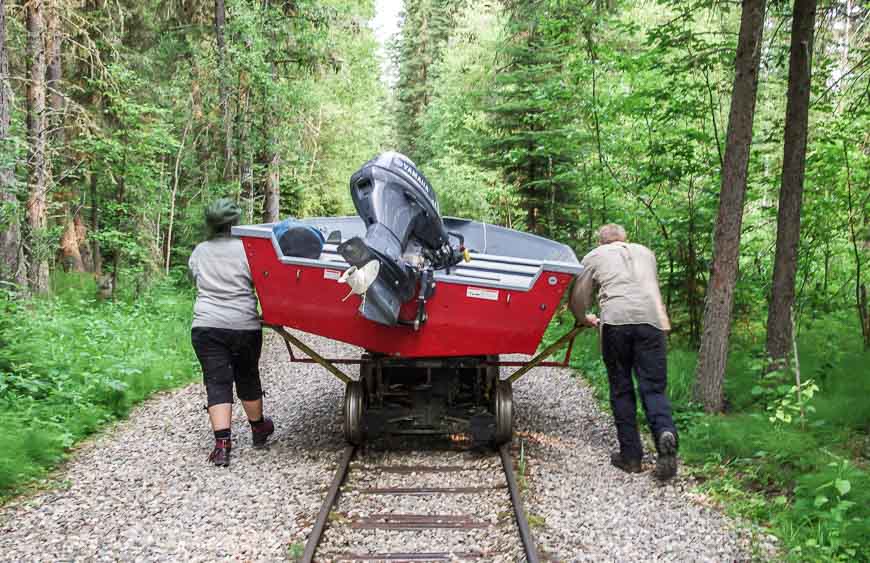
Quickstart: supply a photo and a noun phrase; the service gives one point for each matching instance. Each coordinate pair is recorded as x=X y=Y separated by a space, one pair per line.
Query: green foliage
x=70 y=364
x=794 y=478
x=295 y=551
x=577 y=116
x=426 y=27
x=806 y=494
x=534 y=138
x=832 y=505
x=158 y=123
x=473 y=192
x=454 y=123
x=801 y=471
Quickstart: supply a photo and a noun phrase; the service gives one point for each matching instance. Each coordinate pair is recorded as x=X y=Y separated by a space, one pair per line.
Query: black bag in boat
x=298 y=239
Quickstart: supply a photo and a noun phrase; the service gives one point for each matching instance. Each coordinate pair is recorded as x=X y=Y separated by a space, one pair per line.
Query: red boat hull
x=463 y=319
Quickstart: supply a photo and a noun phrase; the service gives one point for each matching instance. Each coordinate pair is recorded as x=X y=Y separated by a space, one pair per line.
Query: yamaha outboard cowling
x=404 y=232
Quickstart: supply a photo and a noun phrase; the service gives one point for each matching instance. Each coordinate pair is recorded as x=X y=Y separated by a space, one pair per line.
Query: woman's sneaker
x=260 y=432
x=220 y=455
x=666 y=464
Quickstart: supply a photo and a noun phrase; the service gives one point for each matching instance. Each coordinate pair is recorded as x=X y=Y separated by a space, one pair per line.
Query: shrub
x=793 y=476
x=70 y=363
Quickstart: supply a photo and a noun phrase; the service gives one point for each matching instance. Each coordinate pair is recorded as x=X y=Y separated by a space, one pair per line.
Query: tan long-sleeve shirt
x=626 y=278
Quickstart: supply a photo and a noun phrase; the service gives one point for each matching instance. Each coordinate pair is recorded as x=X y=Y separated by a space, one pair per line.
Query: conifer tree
x=531 y=145
x=37 y=262
x=425 y=31
x=9 y=230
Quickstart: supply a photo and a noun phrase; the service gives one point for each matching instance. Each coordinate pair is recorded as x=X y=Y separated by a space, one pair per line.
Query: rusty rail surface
x=517 y=502
x=331 y=496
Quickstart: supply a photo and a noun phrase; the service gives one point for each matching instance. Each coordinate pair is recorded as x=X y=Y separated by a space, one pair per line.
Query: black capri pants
x=229 y=356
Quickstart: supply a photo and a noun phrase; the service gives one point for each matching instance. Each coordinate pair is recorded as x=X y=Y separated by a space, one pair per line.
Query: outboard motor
x=404 y=233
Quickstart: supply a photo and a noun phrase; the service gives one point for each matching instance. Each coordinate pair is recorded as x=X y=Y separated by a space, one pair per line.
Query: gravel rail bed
x=142 y=490
x=493 y=531
x=501 y=542
x=425 y=479
x=486 y=505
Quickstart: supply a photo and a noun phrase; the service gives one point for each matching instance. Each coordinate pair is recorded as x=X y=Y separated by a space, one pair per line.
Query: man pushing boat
x=633 y=323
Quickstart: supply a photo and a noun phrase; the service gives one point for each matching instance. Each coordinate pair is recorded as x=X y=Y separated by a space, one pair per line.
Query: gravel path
x=592 y=511
x=143 y=491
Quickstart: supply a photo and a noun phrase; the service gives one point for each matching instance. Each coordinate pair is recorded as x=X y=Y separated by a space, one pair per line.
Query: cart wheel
x=354 y=405
x=366 y=377
x=503 y=409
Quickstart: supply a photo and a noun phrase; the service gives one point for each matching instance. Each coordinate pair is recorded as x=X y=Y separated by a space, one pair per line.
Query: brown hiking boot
x=261 y=431
x=666 y=463
x=627 y=465
x=220 y=455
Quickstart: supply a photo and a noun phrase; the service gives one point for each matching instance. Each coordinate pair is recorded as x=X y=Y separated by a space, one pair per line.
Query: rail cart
x=433 y=347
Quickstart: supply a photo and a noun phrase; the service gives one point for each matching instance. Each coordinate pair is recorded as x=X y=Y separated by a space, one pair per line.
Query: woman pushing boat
x=227 y=334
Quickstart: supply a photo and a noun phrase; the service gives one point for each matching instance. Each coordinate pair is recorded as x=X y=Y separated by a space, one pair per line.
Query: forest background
x=120 y=121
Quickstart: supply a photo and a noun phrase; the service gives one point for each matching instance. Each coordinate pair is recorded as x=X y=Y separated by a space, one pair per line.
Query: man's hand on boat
x=591 y=321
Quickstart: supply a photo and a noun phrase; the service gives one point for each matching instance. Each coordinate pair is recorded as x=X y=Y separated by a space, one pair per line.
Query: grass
x=806 y=481
x=295 y=551
x=70 y=363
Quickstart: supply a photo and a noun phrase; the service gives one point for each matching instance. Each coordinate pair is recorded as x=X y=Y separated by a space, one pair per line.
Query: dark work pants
x=642 y=349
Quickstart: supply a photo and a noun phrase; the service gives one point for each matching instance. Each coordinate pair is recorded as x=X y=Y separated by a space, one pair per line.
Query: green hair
x=220 y=216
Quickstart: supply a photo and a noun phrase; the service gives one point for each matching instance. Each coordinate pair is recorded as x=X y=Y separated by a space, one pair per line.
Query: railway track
x=427 y=506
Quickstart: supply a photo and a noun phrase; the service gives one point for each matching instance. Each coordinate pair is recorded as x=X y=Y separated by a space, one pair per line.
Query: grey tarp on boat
x=480 y=238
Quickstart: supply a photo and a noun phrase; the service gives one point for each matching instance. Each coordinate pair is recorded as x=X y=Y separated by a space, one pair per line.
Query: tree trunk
x=36 y=253
x=69 y=247
x=9 y=226
x=81 y=231
x=172 y=197
x=244 y=153
x=272 y=191
x=779 y=321
x=96 y=254
x=861 y=302
x=54 y=71
x=713 y=353
x=122 y=214
x=271 y=205
x=71 y=253
x=219 y=23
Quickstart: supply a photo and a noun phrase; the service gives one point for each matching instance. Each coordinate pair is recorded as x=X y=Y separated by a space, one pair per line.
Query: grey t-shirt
x=224 y=290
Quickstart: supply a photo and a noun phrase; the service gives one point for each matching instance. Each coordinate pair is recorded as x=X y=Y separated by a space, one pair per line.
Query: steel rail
x=416 y=521
x=328 y=503
x=517 y=502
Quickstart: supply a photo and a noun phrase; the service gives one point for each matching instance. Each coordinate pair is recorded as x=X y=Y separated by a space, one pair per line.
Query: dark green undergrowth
x=71 y=363
x=804 y=478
